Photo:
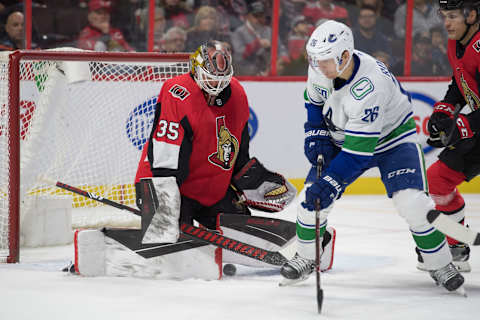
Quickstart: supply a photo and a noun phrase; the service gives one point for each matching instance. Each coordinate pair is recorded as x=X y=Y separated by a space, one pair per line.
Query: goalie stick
x=452 y=228
x=203 y=235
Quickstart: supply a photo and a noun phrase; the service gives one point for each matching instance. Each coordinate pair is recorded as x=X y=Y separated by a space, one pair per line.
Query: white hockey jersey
x=370 y=113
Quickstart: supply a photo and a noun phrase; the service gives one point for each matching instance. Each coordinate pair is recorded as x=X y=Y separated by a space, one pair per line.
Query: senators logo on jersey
x=179 y=92
x=470 y=95
x=227 y=147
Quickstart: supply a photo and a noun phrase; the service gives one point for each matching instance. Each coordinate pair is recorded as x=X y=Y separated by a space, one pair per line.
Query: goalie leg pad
x=100 y=255
x=160 y=210
x=328 y=246
x=89 y=253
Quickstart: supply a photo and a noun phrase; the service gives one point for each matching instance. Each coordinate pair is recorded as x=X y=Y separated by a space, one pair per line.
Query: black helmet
x=450 y=4
x=458 y=4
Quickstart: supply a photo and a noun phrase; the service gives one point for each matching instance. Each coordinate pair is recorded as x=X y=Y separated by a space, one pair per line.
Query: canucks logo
x=361 y=88
x=332 y=38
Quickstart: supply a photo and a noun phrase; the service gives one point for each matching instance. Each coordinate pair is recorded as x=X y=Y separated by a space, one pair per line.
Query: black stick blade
x=320 y=300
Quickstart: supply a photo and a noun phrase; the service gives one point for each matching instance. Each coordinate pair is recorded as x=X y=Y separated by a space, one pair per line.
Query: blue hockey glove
x=317 y=141
x=312 y=175
x=327 y=189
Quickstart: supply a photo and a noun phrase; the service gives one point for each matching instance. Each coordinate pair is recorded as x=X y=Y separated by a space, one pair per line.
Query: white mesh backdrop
x=82 y=123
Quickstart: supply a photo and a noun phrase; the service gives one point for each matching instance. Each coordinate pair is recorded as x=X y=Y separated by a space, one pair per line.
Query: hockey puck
x=229 y=269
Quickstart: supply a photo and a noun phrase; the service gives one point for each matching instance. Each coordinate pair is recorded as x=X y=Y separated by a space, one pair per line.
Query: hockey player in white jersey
x=359 y=117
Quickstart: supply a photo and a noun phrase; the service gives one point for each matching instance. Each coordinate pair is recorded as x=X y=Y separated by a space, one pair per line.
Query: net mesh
x=82 y=122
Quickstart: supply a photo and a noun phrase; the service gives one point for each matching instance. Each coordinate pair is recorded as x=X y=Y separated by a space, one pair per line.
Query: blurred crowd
x=246 y=25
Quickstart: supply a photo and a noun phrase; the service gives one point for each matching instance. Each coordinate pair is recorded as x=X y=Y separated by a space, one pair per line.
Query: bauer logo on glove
x=262 y=189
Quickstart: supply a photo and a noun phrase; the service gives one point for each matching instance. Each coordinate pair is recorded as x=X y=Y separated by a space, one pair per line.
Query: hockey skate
x=460 y=255
x=296 y=270
x=449 y=278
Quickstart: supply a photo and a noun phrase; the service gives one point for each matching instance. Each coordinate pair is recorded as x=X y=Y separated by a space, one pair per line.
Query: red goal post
x=76 y=116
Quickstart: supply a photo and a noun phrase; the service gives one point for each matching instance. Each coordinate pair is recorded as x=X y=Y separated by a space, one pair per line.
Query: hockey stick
x=452 y=228
x=206 y=236
x=317 y=239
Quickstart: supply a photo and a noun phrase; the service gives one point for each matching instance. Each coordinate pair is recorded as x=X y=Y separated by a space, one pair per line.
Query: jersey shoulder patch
x=321 y=90
x=179 y=92
x=361 y=88
x=476 y=46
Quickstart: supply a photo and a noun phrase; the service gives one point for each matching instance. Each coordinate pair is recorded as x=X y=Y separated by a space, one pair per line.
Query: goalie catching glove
x=262 y=189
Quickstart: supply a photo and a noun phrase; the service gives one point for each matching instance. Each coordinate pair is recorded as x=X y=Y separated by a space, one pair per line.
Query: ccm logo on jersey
x=179 y=92
x=400 y=172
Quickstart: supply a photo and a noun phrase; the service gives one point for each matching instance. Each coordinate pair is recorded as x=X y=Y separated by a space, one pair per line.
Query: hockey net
x=78 y=117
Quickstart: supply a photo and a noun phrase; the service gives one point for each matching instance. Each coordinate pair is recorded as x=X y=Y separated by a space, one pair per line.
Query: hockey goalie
x=196 y=169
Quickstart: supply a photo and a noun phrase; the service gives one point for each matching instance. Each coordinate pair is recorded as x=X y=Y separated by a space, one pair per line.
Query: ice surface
x=374 y=277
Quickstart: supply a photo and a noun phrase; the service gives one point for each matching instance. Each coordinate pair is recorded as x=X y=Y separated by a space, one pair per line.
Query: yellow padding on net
x=124 y=194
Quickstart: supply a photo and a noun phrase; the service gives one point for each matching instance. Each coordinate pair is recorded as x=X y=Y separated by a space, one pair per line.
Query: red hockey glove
x=443 y=130
x=442 y=111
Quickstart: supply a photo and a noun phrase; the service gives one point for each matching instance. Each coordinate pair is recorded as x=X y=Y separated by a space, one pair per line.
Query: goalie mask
x=329 y=41
x=211 y=66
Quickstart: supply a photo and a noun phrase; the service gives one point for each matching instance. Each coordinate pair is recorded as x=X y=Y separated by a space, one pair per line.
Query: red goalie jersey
x=201 y=145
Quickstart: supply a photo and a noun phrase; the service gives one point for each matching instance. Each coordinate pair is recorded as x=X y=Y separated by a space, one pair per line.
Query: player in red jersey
x=200 y=140
x=458 y=133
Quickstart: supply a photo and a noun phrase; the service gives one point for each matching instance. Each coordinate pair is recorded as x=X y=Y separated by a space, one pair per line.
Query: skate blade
x=461 y=291
x=290 y=282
